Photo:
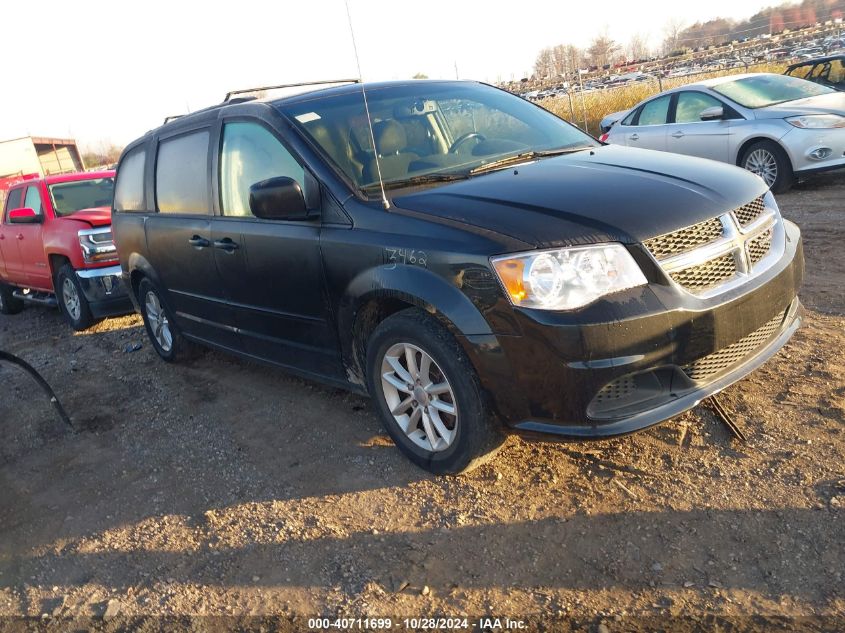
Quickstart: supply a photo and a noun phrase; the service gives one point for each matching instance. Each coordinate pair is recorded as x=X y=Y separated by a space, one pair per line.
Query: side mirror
x=24 y=216
x=712 y=114
x=279 y=198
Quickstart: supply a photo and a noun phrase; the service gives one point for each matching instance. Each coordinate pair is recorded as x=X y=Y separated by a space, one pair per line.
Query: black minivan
x=475 y=264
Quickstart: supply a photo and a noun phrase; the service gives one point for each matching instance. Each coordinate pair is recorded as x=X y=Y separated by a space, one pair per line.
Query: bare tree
x=603 y=50
x=672 y=35
x=638 y=47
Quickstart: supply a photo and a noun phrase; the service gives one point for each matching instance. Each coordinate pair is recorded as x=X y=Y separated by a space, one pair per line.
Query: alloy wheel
x=763 y=163
x=70 y=297
x=159 y=324
x=419 y=397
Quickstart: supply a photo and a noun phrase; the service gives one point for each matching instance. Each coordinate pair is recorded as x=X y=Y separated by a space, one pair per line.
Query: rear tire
x=768 y=160
x=72 y=302
x=9 y=304
x=436 y=411
x=161 y=328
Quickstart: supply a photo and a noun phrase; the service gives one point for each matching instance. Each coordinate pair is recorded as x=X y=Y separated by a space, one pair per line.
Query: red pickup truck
x=56 y=247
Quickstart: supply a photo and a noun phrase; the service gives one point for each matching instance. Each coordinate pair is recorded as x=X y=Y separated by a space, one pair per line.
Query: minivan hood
x=608 y=194
x=98 y=216
x=833 y=103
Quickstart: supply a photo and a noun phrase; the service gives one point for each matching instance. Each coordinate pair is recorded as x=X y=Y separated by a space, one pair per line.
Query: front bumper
x=800 y=144
x=105 y=292
x=645 y=356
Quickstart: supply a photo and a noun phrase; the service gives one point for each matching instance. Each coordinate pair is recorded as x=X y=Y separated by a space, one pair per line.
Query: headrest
x=390 y=137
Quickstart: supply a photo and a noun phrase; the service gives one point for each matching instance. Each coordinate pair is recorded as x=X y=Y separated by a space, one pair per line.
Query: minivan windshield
x=428 y=131
x=759 y=91
x=70 y=197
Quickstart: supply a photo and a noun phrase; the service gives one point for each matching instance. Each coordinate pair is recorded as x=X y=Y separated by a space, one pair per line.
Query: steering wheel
x=464 y=138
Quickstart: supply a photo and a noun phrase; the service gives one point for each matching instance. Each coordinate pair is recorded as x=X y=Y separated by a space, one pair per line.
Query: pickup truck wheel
x=158 y=320
x=9 y=304
x=428 y=395
x=72 y=302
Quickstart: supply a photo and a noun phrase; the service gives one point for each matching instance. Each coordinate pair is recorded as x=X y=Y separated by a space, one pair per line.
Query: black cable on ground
x=14 y=360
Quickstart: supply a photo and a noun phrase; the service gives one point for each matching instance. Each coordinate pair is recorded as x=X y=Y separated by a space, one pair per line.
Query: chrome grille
x=747 y=213
x=686 y=239
x=720 y=253
x=715 y=363
x=702 y=277
x=759 y=247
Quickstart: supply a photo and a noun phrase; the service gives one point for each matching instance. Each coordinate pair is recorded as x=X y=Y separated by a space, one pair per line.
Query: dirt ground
x=221 y=487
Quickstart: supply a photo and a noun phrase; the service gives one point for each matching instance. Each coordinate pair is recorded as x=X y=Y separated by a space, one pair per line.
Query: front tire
x=9 y=304
x=768 y=160
x=428 y=395
x=72 y=302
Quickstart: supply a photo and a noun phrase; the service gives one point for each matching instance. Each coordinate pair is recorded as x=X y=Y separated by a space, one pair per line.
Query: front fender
x=417 y=286
x=444 y=301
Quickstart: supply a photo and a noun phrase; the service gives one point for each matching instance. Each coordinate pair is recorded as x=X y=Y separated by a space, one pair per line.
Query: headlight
x=567 y=278
x=97 y=245
x=817 y=121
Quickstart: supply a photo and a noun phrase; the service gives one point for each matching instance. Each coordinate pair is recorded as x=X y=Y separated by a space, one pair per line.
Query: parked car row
x=473 y=263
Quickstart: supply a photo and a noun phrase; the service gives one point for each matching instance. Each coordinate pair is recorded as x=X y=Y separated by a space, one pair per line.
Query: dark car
x=827 y=71
x=475 y=264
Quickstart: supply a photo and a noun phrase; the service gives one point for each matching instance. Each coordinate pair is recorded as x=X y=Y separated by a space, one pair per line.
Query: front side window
x=801 y=71
x=76 y=195
x=250 y=154
x=129 y=189
x=655 y=112
x=182 y=180
x=13 y=201
x=691 y=104
x=33 y=199
x=759 y=91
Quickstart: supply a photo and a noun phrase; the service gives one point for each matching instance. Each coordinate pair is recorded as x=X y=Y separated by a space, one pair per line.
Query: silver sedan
x=776 y=126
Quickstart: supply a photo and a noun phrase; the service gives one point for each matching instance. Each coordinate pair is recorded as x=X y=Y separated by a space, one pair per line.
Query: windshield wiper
x=523 y=156
x=416 y=180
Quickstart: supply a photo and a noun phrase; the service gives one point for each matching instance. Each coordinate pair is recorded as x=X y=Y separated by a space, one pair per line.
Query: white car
x=776 y=126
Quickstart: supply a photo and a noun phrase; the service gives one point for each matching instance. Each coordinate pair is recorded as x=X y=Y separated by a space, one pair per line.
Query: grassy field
x=587 y=110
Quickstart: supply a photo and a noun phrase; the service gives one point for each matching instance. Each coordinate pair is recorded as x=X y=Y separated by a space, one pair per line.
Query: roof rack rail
x=231 y=94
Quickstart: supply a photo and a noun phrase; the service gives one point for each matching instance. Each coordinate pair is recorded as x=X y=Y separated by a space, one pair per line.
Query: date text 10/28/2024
x=417 y=624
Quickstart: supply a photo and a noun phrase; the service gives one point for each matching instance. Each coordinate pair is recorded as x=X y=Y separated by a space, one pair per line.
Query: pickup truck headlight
x=817 y=121
x=97 y=245
x=567 y=278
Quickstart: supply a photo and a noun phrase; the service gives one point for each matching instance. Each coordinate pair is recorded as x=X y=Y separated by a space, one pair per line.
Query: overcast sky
x=109 y=71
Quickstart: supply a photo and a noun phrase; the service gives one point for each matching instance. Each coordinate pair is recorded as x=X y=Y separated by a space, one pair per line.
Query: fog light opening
x=821 y=153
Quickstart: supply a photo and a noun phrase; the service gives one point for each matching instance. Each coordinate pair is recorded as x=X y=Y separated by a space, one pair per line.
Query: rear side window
x=182 y=174
x=13 y=201
x=33 y=200
x=655 y=112
x=129 y=189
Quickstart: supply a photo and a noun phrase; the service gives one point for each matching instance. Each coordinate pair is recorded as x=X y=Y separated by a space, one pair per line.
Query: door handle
x=634 y=137
x=199 y=242
x=678 y=134
x=19 y=236
x=2 y=236
x=227 y=244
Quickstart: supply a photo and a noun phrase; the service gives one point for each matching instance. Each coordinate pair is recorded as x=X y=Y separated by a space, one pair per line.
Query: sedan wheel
x=420 y=397
x=763 y=163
